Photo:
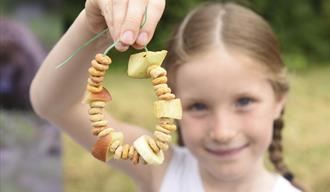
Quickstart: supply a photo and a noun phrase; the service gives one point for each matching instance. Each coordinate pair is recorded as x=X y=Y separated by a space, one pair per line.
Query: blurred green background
x=302 y=26
x=303 y=29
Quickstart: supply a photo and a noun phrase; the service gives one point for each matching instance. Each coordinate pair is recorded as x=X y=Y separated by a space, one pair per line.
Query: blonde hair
x=235 y=28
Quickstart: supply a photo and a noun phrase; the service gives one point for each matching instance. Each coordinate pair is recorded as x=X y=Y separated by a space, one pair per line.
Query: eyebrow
x=244 y=92
x=191 y=97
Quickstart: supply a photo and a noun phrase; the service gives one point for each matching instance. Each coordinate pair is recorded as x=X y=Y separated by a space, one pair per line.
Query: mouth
x=227 y=152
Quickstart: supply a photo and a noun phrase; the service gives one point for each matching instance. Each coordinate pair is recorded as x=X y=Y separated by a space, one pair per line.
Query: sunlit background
x=36 y=157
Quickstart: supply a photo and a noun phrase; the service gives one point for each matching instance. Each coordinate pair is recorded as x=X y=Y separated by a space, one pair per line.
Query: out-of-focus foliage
x=66 y=10
x=302 y=26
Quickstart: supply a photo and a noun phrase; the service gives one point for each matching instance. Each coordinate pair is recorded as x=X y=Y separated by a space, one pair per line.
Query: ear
x=280 y=102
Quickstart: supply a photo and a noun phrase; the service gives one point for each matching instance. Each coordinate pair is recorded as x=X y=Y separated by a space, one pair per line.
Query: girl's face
x=228 y=112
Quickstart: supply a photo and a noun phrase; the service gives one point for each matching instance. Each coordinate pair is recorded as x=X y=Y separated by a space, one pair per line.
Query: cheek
x=260 y=129
x=192 y=130
x=263 y=133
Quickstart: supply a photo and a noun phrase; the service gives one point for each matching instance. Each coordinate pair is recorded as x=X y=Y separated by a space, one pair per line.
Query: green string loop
x=99 y=34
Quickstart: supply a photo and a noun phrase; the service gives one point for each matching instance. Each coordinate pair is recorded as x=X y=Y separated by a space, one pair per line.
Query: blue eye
x=198 y=107
x=243 y=102
x=198 y=110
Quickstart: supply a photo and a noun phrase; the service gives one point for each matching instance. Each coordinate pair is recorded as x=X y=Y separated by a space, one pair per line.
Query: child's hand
x=123 y=18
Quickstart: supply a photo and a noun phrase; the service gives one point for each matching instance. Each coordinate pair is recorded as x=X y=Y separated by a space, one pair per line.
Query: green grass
x=306 y=134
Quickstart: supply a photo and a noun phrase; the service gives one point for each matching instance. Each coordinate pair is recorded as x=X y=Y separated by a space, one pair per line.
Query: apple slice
x=101 y=150
x=168 y=108
x=104 y=95
x=142 y=147
x=139 y=63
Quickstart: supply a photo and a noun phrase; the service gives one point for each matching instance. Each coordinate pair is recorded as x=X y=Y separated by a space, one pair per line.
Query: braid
x=276 y=153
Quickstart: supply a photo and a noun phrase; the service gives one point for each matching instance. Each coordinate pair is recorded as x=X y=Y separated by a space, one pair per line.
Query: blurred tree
x=302 y=26
x=69 y=11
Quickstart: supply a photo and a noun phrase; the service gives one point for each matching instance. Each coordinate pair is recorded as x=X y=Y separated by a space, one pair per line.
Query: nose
x=223 y=129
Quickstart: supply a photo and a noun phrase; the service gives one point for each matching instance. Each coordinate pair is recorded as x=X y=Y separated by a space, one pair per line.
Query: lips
x=227 y=151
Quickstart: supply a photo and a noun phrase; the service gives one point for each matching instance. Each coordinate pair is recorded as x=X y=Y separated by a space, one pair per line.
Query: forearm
x=55 y=90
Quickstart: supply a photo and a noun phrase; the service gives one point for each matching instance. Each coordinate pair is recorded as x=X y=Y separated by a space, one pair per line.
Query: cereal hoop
x=148 y=149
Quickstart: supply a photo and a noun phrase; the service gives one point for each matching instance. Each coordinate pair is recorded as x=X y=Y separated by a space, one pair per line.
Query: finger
x=96 y=21
x=136 y=46
x=106 y=7
x=131 y=25
x=121 y=47
x=154 y=12
x=119 y=10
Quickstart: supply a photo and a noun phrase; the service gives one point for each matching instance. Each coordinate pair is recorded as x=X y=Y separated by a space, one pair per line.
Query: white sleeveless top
x=182 y=175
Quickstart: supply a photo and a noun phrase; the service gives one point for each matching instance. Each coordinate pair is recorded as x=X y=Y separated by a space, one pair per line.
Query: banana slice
x=116 y=136
x=142 y=147
x=168 y=109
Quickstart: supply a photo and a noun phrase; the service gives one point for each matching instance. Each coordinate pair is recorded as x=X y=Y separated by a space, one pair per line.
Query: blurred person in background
x=30 y=151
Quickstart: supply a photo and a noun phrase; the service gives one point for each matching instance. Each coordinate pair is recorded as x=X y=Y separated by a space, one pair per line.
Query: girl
x=223 y=64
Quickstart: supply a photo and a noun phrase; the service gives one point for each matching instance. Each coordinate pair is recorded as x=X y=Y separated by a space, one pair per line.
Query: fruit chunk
x=116 y=136
x=139 y=63
x=101 y=150
x=168 y=108
x=142 y=147
x=104 y=95
x=156 y=57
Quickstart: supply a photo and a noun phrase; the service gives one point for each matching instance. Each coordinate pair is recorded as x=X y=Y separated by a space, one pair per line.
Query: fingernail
x=127 y=37
x=120 y=47
x=142 y=39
